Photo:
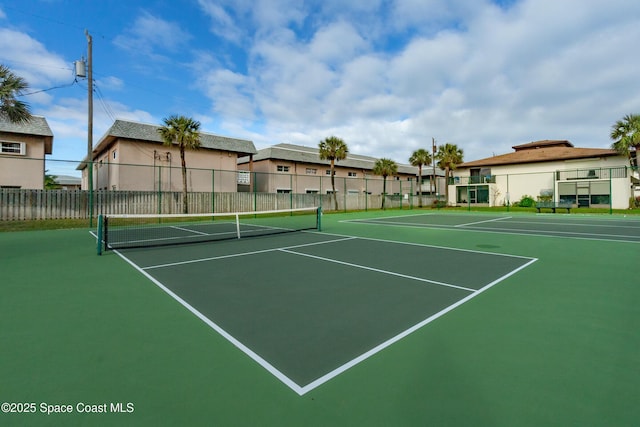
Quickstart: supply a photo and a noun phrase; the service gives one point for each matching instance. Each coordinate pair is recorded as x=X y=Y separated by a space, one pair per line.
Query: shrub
x=526 y=202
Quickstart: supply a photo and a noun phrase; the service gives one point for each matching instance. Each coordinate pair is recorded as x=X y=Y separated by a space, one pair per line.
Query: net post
x=238 y=225
x=319 y=218
x=99 y=234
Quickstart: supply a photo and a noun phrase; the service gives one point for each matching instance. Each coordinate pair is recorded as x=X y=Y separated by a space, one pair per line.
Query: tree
x=333 y=149
x=12 y=86
x=419 y=158
x=50 y=181
x=626 y=135
x=449 y=156
x=183 y=132
x=385 y=168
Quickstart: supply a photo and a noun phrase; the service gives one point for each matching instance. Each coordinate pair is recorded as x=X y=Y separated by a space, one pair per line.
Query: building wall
x=512 y=182
x=272 y=176
x=144 y=166
x=23 y=171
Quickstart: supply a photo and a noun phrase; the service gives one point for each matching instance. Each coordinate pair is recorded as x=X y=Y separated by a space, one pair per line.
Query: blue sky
x=384 y=75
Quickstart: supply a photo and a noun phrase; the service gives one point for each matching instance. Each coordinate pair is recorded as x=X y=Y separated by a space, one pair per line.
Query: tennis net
x=135 y=231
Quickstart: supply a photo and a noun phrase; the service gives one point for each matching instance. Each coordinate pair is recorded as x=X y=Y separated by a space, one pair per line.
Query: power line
x=51 y=88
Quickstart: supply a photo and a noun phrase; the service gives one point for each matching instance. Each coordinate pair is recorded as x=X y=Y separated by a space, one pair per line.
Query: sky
x=386 y=76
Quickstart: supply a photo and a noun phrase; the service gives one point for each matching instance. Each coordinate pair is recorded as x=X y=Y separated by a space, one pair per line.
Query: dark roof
x=37 y=126
x=302 y=154
x=122 y=129
x=541 y=151
x=542 y=144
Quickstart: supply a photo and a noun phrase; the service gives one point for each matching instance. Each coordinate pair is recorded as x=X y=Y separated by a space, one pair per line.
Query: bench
x=554 y=205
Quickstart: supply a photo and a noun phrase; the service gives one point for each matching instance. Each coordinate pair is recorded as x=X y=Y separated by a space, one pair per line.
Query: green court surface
x=383 y=318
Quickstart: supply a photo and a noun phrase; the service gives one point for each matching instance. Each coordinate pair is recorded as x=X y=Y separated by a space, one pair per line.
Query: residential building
x=552 y=169
x=67 y=182
x=131 y=156
x=289 y=168
x=23 y=147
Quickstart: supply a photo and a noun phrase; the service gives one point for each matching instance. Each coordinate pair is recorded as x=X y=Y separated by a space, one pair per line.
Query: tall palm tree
x=449 y=156
x=12 y=86
x=626 y=135
x=385 y=168
x=183 y=132
x=334 y=149
x=419 y=158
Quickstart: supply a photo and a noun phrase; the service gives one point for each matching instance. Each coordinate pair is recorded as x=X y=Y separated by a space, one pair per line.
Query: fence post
x=213 y=190
x=611 y=194
x=344 y=182
x=366 y=194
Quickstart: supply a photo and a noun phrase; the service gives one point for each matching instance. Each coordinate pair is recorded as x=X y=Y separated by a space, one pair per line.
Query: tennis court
x=581 y=227
x=309 y=306
x=381 y=318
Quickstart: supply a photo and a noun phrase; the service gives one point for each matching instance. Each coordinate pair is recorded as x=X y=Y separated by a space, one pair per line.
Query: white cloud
x=110 y=83
x=149 y=35
x=31 y=60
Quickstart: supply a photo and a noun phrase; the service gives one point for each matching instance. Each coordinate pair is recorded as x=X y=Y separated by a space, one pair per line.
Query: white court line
x=430 y=246
x=578 y=224
x=363 y=267
x=191 y=261
x=301 y=390
x=406 y=332
x=246 y=350
x=482 y=222
x=514 y=232
x=189 y=230
x=382 y=218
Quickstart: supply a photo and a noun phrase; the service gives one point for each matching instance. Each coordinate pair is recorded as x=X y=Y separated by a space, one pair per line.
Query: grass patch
x=44 y=224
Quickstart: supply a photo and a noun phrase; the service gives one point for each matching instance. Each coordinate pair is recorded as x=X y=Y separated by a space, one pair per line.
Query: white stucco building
x=584 y=177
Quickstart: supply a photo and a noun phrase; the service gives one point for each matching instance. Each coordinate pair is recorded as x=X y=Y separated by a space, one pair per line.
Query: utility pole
x=90 y=123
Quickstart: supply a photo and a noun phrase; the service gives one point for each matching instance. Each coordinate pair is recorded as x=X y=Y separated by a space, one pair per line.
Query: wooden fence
x=20 y=204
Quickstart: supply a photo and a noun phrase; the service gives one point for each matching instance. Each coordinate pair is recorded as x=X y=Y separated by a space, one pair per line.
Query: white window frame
x=5 y=148
x=282 y=168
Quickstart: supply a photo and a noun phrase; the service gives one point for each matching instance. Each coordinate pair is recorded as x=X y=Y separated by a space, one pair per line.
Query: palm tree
x=449 y=156
x=12 y=86
x=333 y=149
x=626 y=135
x=183 y=132
x=385 y=167
x=419 y=158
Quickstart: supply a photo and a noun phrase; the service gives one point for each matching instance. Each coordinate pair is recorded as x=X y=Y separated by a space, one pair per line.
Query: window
x=352 y=174
x=328 y=172
x=312 y=191
x=18 y=148
x=115 y=154
x=282 y=168
x=283 y=190
x=600 y=199
x=311 y=171
x=244 y=177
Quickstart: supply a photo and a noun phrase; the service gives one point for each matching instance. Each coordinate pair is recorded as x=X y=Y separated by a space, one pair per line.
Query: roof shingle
x=541 y=151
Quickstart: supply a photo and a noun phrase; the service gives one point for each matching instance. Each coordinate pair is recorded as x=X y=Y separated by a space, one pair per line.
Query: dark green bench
x=554 y=205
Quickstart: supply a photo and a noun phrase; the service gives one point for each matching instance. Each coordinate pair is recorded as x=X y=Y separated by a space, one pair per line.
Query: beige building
x=584 y=177
x=131 y=156
x=23 y=147
x=288 y=168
